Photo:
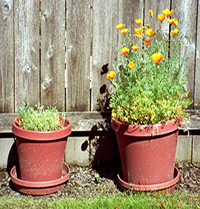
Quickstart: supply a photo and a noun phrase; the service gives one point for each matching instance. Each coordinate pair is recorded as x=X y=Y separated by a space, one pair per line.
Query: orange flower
x=179 y=206
x=147 y=26
x=111 y=75
x=168 y=13
x=147 y=42
x=138 y=31
x=175 y=32
x=139 y=22
x=161 y=17
x=157 y=57
x=171 y=21
x=131 y=65
x=125 y=30
x=150 y=32
x=125 y=51
x=163 y=206
x=151 y=12
x=120 y=26
x=135 y=48
x=175 y=23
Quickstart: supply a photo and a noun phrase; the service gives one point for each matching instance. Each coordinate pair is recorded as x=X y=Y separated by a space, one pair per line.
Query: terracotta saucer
x=40 y=188
x=165 y=187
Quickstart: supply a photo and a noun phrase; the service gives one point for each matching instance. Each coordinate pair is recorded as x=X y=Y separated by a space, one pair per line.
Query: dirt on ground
x=88 y=182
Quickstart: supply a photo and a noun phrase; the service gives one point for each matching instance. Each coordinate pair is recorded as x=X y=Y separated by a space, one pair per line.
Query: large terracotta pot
x=147 y=152
x=40 y=154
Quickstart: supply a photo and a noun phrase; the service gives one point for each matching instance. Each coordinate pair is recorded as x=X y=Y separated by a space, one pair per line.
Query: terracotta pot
x=147 y=152
x=40 y=154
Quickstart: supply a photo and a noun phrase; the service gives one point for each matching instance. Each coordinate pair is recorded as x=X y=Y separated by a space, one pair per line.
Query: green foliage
x=150 y=92
x=39 y=119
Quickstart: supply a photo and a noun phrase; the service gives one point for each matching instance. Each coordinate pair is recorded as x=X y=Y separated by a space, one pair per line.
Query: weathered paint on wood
x=105 y=40
x=26 y=52
x=186 y=13
x=53 y=53
x=78 y=55
x=6 y=57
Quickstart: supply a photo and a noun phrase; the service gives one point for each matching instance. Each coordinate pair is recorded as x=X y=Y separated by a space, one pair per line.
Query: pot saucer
x=40 y=188
x=166 y=187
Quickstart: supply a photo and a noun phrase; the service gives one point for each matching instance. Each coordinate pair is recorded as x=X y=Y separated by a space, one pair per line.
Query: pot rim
x=42 y=135
x=146 y=130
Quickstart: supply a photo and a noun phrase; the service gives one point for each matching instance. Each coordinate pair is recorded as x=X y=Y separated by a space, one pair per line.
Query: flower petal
x=125 y=51
x=161 y=17
x=120 y=26
x=157 y=57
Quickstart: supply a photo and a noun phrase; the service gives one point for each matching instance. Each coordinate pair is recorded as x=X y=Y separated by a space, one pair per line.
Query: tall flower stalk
x=148 y=83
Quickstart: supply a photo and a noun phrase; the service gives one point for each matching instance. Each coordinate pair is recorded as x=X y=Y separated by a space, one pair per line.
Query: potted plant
x=148 y=103
x=41 y=136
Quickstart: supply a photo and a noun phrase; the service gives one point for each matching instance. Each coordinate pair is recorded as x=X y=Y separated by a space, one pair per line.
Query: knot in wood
x=47 y=83
x=6 y=8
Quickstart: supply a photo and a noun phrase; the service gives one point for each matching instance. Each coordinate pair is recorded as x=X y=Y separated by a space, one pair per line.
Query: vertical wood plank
x=105 y=40
x=129 y=11
x=78 y=55
x=26 y=52
x=157 y=7
x=53 y=53
x=186 y=13
x=6 y=57
x=197 y=67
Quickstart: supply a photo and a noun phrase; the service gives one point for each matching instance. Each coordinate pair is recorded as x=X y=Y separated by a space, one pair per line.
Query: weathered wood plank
x=129 y=11
x=197 y=66
x=53 y=53
x=105 y=40
x=93 y=121
x=157 y=7
x=184 y=148
x=6 y=57
x=186 y=13
x=78 y=55
x=26 y=52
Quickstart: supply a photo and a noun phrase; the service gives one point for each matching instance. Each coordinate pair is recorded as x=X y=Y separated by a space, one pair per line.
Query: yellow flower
x=150 y=32
x=111 y=75
x=171 y=21
x=168 y=13
x=125 y=30
x=157 y=57
x=125 y=51
x=147 y=42
x=175 y=23
x=135 y=48
x=138 y=31
x=120 y=26
x=131 y=65
x=140 y=36
x=139 y=22
x=161 y=17
x=151 y=12
x=175 y=32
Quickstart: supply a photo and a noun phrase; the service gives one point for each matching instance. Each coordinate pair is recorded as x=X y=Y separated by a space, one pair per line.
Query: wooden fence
x=59 y=52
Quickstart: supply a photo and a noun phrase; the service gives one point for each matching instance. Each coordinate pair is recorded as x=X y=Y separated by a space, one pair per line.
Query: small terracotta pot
x=147 y=152
x=40 y=154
